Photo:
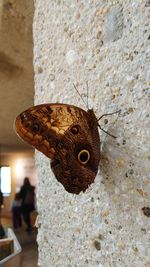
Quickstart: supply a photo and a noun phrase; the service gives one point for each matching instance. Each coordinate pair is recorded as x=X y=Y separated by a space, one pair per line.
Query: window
x=5 y=180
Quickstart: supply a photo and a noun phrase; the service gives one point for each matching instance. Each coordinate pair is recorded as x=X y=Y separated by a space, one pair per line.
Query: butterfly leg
x=106 y=132
x=107 y=114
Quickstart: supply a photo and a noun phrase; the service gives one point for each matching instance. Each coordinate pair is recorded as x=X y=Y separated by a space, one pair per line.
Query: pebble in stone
x=146 y=211
x=97 y=244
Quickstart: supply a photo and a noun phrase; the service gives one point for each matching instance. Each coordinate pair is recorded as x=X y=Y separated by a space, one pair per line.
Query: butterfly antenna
x=79 y=94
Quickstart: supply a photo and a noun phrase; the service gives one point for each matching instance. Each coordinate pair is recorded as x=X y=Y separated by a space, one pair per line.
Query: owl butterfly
x=68 y=135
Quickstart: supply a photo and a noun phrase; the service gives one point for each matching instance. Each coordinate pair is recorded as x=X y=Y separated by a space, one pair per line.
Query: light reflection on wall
x=25 y=167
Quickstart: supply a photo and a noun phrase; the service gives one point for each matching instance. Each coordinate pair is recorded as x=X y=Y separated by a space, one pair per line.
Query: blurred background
x=16 y=95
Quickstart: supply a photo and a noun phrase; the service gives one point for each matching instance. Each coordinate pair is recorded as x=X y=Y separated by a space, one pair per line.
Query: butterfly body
x=69 y=136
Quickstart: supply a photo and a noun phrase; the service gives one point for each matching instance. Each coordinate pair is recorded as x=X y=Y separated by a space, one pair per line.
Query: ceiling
x=16 y=68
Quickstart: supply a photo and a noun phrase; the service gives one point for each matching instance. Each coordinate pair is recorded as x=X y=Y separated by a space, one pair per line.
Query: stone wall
x=107 y=44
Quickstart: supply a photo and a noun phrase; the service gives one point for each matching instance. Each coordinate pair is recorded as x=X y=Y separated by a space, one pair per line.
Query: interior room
x=16 y=94
x=84 y=68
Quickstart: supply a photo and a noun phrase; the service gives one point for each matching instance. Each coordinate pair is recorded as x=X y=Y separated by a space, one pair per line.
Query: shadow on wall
x=125 y=172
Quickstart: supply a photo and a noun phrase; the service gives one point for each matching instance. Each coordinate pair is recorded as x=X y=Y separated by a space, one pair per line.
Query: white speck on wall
x=130 y=79
x=71 y=57
x=52 y=85
x=107 y=44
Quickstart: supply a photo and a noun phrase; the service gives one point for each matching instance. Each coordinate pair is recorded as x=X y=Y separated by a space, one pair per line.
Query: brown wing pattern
x=43 y=126
x=69 y=136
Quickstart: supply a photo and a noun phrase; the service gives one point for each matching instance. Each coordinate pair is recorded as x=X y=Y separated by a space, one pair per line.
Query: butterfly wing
x=69 y=136
x=43 y=126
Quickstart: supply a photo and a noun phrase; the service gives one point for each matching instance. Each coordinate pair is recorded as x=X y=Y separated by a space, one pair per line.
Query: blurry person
x=16 y=211
x=2 y=232
x=27 y=195
x=1 y=199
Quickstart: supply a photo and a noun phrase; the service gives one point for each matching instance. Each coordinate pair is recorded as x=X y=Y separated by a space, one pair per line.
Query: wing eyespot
x=83 y=156
x=35 y=127
x=23 y=117
x=75 y=129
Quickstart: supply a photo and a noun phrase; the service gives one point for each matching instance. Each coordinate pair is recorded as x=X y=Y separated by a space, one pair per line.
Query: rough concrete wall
x=106 y=43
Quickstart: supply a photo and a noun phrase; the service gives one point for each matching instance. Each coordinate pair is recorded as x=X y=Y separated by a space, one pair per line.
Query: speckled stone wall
x=106 y=43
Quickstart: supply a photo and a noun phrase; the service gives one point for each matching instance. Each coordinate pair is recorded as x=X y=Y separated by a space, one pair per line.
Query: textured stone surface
x=113 y=24
x=107 y=225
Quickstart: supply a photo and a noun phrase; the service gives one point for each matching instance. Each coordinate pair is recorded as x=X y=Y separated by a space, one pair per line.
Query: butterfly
x=69 y=136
